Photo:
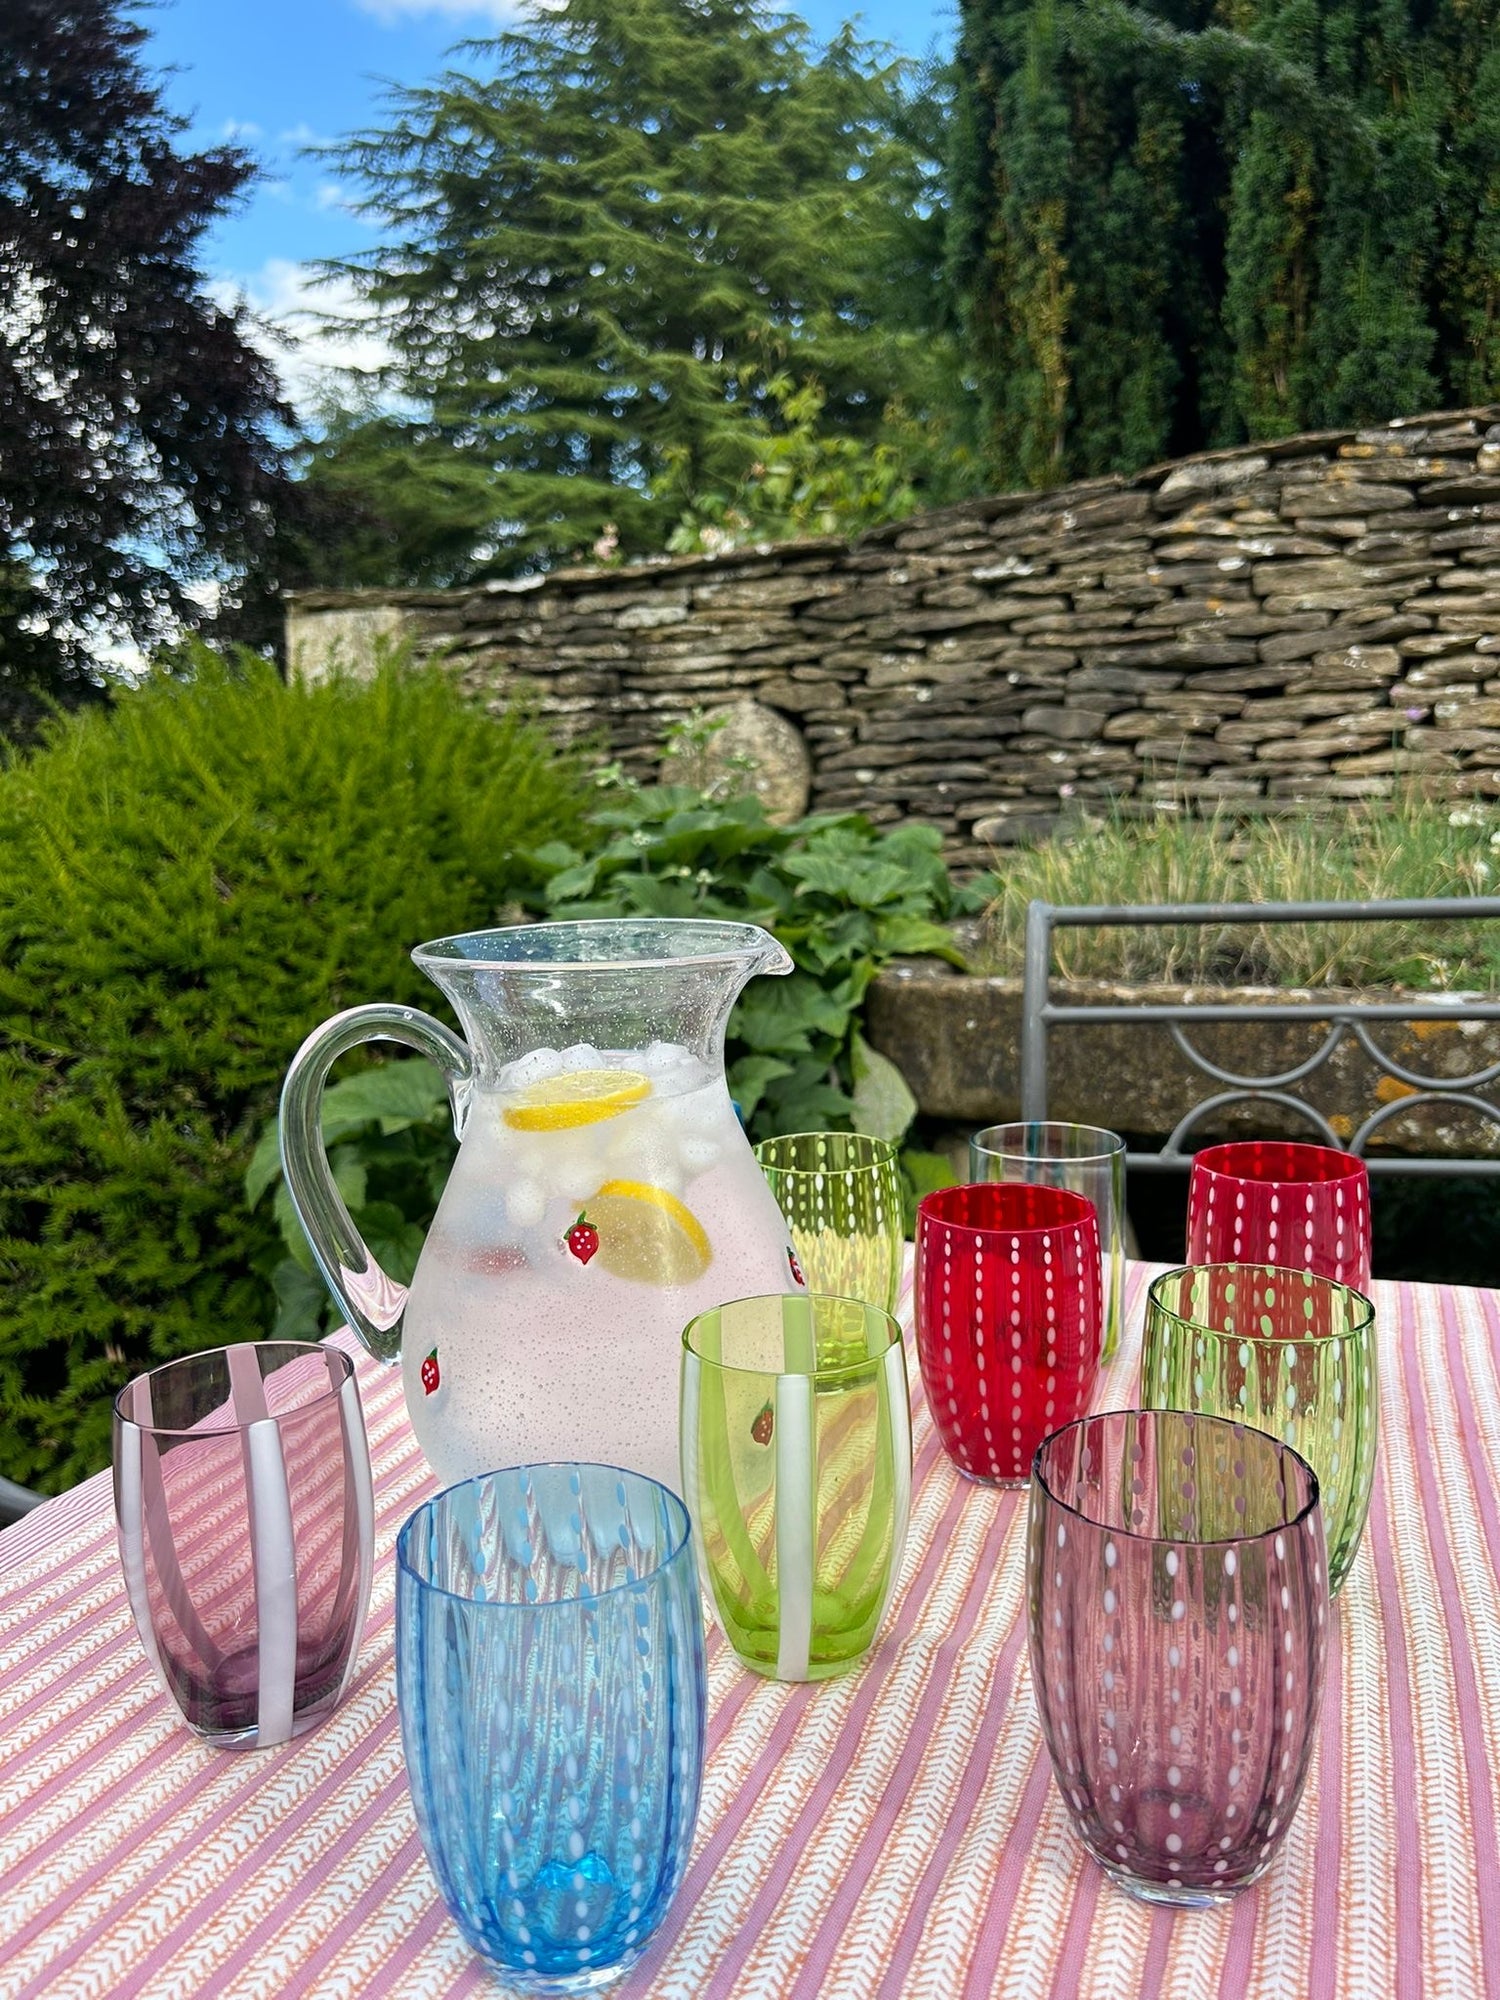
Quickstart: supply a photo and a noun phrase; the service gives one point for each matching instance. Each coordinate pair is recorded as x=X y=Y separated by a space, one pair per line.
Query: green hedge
x=188 y=883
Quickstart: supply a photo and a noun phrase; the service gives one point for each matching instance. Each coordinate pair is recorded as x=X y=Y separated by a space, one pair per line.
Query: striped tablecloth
x=893 y=1832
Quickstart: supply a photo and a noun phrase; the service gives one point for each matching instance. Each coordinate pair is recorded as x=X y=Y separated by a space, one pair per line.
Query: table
x=893 y=1832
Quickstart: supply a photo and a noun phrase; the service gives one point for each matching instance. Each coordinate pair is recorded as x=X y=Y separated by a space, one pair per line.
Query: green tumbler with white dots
x=1286 y=1351
x=840 y=1193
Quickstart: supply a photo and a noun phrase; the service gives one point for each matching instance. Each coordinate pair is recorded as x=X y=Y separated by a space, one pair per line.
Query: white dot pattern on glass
x=1296 y=1362
x=1009 y=1329
x=1331 y=1233
x=1182 y=1788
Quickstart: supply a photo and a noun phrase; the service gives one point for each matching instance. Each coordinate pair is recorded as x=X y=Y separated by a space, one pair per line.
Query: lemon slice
x=648 y=1235
x=582 y=1097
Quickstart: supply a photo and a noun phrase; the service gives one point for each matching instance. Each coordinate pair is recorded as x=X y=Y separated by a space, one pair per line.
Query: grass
x=1406 y=847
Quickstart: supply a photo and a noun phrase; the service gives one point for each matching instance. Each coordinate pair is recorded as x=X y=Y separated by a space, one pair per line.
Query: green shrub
x=189 y=883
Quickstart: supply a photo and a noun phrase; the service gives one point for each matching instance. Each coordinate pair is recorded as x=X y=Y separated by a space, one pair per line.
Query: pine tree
x=609 y=251
x=139 y=428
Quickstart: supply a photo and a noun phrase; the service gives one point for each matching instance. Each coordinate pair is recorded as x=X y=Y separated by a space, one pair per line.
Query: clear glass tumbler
x=1083 y=1158
x=1178 y=1618
x=550 y=1678
x=246 y=1523
x=1287 y=1351
x=841 y=1195
x=796 y=1462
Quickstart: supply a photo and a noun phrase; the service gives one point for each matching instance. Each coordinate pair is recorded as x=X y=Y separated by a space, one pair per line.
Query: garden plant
x=192 y=880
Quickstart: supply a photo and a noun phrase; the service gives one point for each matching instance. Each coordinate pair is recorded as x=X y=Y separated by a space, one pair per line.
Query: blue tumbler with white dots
x=549 y=1670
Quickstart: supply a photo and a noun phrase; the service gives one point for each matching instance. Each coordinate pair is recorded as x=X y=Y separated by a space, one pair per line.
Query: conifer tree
x=1177 y=224
x=611 y=247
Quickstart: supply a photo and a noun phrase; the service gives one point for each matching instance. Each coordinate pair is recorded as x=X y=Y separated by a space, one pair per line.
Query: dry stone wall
x=1300 y=621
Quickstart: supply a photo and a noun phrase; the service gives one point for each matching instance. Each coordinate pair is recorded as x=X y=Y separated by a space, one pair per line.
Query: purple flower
x=1415 y=714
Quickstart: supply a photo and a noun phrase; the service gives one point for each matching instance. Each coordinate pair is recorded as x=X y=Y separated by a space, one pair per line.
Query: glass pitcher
x=604 y=1193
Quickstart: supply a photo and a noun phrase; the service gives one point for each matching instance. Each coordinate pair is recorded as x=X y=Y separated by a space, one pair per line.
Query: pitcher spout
x=607 y=983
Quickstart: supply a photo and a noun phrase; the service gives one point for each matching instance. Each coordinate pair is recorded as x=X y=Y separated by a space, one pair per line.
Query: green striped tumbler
x=796 y=1466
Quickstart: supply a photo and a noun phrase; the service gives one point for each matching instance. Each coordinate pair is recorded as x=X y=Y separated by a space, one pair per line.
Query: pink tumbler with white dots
x=1177 y=1599
x=1273 y=1201
x=1010 y=1318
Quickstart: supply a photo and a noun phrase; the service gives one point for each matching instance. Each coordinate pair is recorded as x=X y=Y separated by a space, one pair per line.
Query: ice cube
x=694 y=1114
x=663 y=1056
x=582 y=1055
x=525 y=1204
x=534 y=1067
x=697 y=1155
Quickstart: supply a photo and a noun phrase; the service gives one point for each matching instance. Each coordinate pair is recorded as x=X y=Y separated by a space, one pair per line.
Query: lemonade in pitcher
x=603 y=1195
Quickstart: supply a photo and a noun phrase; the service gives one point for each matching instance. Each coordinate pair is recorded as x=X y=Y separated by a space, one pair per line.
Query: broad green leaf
x=265 y=1163
x=816 y=1107
x=350 y=1175
x=883 y=1103
x=916 y=937
x=302 y=1302
x=571 y=883
x=554 y=855
x=291 y=1229
x=393 y=1241
x=394 y=1095
x=928 y=1172
x=777 y=1017
x=749 y=1077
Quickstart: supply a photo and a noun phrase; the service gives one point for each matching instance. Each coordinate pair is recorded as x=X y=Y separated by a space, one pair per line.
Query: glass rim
x=1315 y=1486
x=227 y=1430
x=682 y=1527
x=1355 y=1170
x=927 y=1211
x=732 y=944
x=1311 y=1280
x=883 y=1151
x=834 y=1374
x=1110 y=1152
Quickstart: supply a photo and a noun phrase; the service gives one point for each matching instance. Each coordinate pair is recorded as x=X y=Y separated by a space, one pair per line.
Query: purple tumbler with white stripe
x=245 y=1514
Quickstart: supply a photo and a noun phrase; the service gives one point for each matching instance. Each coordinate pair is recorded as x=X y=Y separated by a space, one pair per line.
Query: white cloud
x=240 y=128
x=292 y=299
x=331 y=198
x=500 y=13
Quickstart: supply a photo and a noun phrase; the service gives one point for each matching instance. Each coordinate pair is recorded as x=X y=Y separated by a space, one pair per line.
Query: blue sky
x=278 y=76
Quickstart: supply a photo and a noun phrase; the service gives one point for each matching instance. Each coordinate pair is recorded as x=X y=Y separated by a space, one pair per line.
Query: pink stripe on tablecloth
x=1067 y=1975
x=352 y=1828
x=1158 y=1945
x=1328 y=1852
x=709 y=1855
x=1239 y=1950
x=872 y=1690
x=1470 y=1714
x=243 y=1771
x=904 y=1946
x=1486 y=1501
x=1408 y=1857
x=1000 y=1908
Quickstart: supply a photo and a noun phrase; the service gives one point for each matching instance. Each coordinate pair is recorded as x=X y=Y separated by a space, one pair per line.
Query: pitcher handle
x=371 y=1302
